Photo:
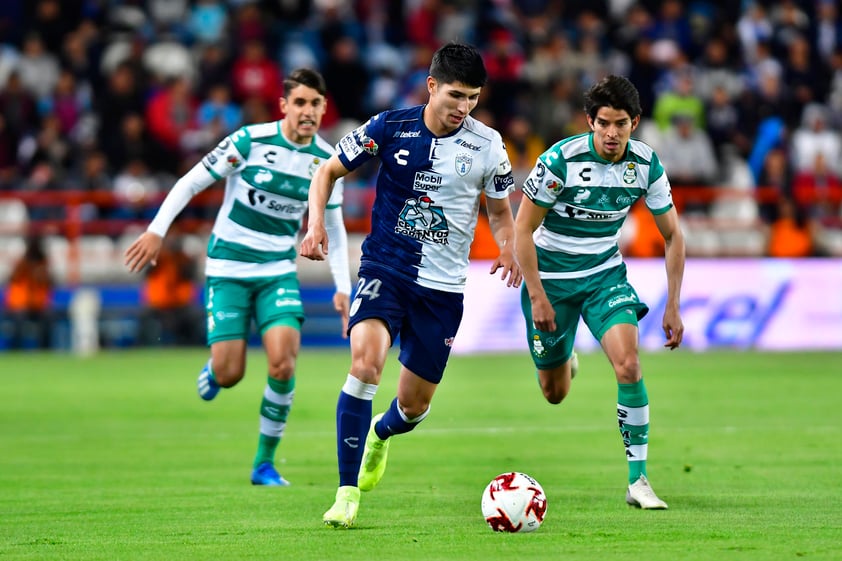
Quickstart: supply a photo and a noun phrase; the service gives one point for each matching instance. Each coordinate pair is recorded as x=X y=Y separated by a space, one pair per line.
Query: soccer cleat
x=266 y=474
x=208 y=388
x=343 y=513
x=641 y=495
x=574 y=365
x=374 y=458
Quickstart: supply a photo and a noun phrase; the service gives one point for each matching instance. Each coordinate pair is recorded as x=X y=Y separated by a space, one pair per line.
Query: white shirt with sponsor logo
x=428 y=192
x=588 y=199
x=267 y=182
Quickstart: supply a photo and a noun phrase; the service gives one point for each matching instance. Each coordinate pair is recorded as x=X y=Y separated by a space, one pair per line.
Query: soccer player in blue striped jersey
x=435 y=162
x=250 y=268
x=567 y=229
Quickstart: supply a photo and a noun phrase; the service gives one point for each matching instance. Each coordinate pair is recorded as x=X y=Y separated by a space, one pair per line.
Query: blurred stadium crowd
x=742 y=100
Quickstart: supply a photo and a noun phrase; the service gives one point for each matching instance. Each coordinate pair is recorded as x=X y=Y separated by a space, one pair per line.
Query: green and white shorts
x=232 y=303
x=603 y=299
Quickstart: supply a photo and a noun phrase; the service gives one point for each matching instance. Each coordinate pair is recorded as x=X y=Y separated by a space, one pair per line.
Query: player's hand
x=342 y=304
x=543 y=315
x=511 y=270
x=315 y=242
x=673 y=329
x=144 y=249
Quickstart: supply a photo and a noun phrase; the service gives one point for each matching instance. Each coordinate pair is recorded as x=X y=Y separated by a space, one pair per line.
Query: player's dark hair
x=613 y=91
x=457 y=62
x=305 y=77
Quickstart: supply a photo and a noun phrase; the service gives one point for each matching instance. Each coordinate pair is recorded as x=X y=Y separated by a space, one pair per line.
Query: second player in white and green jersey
x=250 y=266
x=588 y=198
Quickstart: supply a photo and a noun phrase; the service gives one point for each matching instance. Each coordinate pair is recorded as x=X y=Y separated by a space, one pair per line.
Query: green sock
x=277 y=400
x=633 y=418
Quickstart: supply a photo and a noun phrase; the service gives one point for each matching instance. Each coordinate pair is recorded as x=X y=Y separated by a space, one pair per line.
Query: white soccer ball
x=514 y=502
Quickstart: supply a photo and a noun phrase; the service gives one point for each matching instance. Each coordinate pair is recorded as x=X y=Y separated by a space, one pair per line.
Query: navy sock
x=393 y=422
x=353 y=417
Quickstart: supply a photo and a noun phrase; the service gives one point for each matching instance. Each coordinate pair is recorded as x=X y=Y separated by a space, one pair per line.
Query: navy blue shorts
x=426 y=320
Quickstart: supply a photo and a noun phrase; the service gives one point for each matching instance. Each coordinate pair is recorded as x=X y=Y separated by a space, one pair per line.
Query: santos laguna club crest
x=421 y=220
x=463 y=163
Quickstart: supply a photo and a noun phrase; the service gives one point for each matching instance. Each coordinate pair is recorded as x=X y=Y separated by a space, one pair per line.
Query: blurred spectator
x=647 y=240
x=716 y=70
x=813 y=138
x=134 y=142
x=722 y=119
x=754 y=28
x=347 y=79
x=422 y=24
x=688 y=154
x=504 y=61
x=122 y=97
x=827 y=38
x=18 y=108
x=136 y=189
x=8 y=155
x=672 y=25
x=523 y=146
x=171 y=113
x=802 y=76
x=218 y=112
x=789 y=22
x=91 y=175
x=255 y=75
x=46 y=146
x=214 y=66
x=66 y=103
x=789 y=235
x=775 y=179
x=171 y=313
x=817 y=191
x=54 y=21
x=555 y=108
x=28 y=302
x=208 y=21
x=682 y=99
x=248 y=25
x=38 y=67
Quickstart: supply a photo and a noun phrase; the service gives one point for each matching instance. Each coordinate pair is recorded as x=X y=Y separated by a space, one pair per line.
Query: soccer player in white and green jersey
x=568 y=224
x=250 y=266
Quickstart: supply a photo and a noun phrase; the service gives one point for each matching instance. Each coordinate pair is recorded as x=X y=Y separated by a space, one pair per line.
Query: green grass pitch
x=114 y=457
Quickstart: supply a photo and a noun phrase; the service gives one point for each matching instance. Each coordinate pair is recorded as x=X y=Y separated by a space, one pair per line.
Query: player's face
x=612 y=130
x=303 y=109
x=449 y=105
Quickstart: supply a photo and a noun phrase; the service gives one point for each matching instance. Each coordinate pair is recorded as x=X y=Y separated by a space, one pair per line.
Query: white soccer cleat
x=574 y=365
x=641 y=495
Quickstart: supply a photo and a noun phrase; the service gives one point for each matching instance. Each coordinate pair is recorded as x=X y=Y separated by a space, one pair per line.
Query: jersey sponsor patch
x=421 y=219
x=349 y=147
x=503 y=182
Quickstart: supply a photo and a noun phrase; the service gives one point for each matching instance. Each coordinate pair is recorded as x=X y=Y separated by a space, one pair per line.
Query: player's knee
x=228 y=373
x=365 y=371
x=627 y=369
x=554 y=393
x=282 y=368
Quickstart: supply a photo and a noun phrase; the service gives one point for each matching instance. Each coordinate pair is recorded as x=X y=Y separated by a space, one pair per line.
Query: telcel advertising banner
x=773 y=304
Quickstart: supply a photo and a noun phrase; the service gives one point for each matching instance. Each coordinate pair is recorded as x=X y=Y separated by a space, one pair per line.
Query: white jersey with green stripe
x=267 y=181
x=588 y=199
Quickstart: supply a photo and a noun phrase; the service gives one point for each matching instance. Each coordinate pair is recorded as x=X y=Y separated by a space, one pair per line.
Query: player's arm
x=670 y=229
x=147 y=246
x=338 y=262
x=503 y=229
x=315 y=241
x=529 y=218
